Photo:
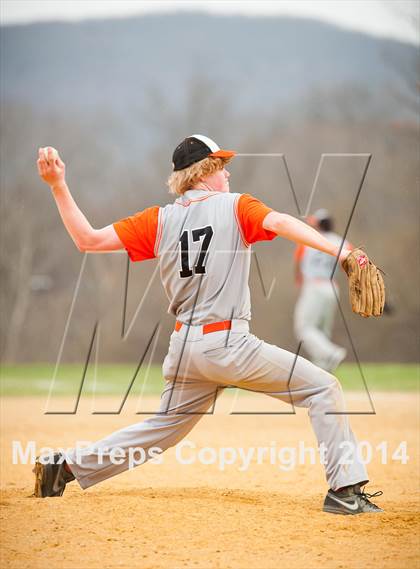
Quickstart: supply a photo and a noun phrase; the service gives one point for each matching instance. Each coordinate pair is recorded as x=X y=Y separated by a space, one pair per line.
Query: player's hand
x=50 y=166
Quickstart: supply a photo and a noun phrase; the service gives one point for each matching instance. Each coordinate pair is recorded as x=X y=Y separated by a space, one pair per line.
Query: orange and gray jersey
x=315 y=265
x=203 y=241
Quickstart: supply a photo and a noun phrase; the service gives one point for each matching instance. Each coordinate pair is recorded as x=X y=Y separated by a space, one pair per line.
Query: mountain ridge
x=258 y=62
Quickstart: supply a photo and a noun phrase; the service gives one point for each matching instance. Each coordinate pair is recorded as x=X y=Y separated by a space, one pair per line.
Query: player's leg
x=308 y=313
x=252 y=364
x=307 y=324
x=182 y=405
x=337 y=355
x=319 y=391
x=329 y=313
x=315 y=302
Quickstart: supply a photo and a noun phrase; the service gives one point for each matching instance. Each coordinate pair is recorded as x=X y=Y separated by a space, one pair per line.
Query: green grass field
x=35 y=379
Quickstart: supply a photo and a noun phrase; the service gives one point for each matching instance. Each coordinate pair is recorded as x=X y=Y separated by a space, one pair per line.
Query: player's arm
x=291 y=228
x=52 y=170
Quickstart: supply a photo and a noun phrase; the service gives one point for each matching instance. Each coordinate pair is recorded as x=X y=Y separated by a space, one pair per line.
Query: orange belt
x=207 y=328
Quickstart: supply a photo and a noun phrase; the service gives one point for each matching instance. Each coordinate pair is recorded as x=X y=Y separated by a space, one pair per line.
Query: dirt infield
x=173 y=515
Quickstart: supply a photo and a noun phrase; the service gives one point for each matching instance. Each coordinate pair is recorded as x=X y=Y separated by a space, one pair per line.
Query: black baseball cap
x=195 y=148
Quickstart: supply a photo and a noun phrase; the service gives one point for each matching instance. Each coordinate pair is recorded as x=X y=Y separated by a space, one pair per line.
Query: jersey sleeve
x=138 y=233
x=250 y=214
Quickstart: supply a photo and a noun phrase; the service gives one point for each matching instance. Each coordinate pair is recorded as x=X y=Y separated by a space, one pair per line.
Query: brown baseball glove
x=366 y=285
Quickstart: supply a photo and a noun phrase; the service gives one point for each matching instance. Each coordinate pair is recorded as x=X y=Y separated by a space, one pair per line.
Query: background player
x=317 y=303
x=203 y=242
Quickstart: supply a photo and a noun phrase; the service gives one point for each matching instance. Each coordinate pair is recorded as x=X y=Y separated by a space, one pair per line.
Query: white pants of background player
x=197 y=368
x=313 y=322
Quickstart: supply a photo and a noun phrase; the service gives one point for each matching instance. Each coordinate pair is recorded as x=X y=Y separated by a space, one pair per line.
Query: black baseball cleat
x=349 y=501
x=51 y=478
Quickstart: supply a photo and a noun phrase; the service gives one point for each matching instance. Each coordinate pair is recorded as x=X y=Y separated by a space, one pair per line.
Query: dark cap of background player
x=324 y=219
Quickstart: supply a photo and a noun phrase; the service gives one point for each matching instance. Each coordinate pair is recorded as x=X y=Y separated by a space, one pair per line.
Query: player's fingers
x=376 y=293
x=54 y=158
x=41 y=154
x=41 y=166
x=381 y=286
x=366 y=302
x=46 y=157
x=369 y=294
x=50 y=155
x=362 y=291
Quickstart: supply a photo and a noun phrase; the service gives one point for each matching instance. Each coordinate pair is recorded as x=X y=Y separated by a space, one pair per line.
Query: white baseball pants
x=313 y=322
x=197 y=366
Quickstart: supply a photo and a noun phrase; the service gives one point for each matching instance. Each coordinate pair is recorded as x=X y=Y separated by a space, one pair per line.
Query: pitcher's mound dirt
x=173 y=515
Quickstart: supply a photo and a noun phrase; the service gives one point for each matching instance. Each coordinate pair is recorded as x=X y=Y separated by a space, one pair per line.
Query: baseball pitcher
x=203 y=242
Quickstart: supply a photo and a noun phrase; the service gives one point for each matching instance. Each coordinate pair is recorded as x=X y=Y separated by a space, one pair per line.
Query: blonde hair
x=182 y=180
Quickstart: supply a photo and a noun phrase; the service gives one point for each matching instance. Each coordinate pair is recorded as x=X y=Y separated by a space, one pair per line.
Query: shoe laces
x=367 y=496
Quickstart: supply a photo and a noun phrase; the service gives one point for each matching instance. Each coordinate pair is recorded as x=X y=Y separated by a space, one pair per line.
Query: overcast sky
x=389 y=18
